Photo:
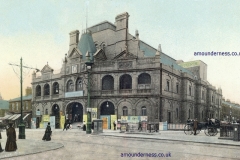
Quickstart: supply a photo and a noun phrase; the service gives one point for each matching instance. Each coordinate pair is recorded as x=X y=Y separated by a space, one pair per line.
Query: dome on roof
x=86 y=44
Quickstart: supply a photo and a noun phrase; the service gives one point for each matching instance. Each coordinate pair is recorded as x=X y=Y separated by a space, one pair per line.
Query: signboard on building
x=52 y=122
x=74 y=94
x=38 y=113
x=45 y=118
x=94 y=113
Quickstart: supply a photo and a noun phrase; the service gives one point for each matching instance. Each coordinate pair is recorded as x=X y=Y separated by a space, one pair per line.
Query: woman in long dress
x=48 y=133
x=11 y=144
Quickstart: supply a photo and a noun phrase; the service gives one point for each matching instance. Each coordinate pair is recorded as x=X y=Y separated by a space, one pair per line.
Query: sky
x=38 y=31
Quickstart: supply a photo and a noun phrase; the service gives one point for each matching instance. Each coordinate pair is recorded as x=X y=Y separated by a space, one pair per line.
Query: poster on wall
x=62 y=121
x=45 y=118
x=113 y=119
x=94 y=113
x=52 y=122
x=124 y=119
x=33 y=123
x=144 y=118
x=133 y=119
x=85 y=118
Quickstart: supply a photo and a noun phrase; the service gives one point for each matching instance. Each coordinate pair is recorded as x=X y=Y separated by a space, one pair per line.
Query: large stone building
x=128 y=78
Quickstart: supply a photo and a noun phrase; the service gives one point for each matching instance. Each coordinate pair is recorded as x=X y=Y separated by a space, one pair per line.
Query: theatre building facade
x=128 y=78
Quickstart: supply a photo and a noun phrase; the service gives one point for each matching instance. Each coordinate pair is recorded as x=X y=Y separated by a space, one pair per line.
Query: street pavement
x=34 y=145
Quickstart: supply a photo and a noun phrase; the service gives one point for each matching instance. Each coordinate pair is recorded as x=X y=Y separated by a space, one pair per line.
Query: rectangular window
x=203 y=95
x=168 y=85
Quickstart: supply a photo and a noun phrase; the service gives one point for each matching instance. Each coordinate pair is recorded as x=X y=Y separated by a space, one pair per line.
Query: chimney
x=74 y=38
x=121 y=21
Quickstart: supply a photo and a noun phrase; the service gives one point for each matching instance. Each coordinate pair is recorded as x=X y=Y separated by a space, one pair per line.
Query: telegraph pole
x=22 y=125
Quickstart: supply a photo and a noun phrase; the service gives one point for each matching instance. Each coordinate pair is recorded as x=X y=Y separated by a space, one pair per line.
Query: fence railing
x=177 y=126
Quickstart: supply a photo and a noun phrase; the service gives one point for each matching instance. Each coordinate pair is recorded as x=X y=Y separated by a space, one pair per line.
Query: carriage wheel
x=198 y=131
x=215 y=132
x=206 y=132
x=188 y=129
x=212 y=131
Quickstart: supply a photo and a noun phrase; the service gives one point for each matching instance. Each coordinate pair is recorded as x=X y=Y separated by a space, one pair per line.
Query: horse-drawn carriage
x=210 y=127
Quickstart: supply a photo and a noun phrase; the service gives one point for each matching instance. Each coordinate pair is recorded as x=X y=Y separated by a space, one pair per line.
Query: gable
x=47 y=68
x=100 y=55
x=125 y=55
x=75 y=53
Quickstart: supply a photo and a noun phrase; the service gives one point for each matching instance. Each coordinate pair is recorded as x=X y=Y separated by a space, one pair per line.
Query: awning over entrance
x=14 y=117
x=5 y=117
x=26 y=116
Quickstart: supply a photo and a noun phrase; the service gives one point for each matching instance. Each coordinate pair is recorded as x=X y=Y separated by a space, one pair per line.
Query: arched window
x=46 y=89
x=177 y=112
x=144 y=78
x=107 y=83
x=38 y=90
x=70 y=86
x=16 y=106
x=144 y=111
x=55 y=88
x=125 y=111
x=13 y=106
x=79 y=84
x=125 y=82
x=46 y=111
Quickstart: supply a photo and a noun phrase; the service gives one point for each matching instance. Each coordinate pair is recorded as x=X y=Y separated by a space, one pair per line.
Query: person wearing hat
x=48 y=133
x=11 y=144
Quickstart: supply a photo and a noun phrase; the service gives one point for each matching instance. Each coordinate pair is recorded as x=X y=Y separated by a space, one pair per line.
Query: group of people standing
x=11 y=144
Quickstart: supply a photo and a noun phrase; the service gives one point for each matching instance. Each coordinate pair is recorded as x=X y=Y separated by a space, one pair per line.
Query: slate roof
x=166 y=60
x=29 y=97
x=231 y=104
x=86 y=44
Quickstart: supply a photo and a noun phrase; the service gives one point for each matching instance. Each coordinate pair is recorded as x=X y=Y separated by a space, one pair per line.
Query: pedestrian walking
x=48 y=133
x=114 y=125
x=139 y=126
x=65 y=125
x=92 y=126
x=195 y=124
x=11 y=144
x=84 y=126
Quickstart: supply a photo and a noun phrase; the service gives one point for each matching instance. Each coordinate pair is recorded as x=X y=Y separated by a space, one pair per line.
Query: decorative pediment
x=46 y=68
x=75 y=53
x=125 y=55
x=100 y=55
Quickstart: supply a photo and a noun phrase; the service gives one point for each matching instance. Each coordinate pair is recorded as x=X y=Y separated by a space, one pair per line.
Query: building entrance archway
x=107 y=108
x=56 y=113
x=74 y=112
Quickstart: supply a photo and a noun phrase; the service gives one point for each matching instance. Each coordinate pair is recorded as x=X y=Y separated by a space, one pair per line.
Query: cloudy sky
x=38 y=31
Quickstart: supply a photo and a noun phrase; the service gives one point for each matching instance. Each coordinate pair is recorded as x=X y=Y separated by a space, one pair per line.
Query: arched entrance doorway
x=106 y=110
x=56 y=113
x=74 y=112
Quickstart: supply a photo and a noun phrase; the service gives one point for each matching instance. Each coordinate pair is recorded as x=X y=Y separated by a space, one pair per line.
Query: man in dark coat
x=48 y=133
x=195 y=124
x=65 y=125
x=11 y=144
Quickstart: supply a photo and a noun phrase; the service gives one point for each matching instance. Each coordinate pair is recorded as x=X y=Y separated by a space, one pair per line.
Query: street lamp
x=88 y=64
x=21 y=124
x=230 y=118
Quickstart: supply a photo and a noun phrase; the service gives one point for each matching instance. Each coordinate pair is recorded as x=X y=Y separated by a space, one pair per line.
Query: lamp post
x=22 y=125
x=230 y=118
x=89 y=64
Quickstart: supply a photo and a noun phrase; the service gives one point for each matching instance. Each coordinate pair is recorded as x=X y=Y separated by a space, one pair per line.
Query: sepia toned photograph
x=119 y=79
